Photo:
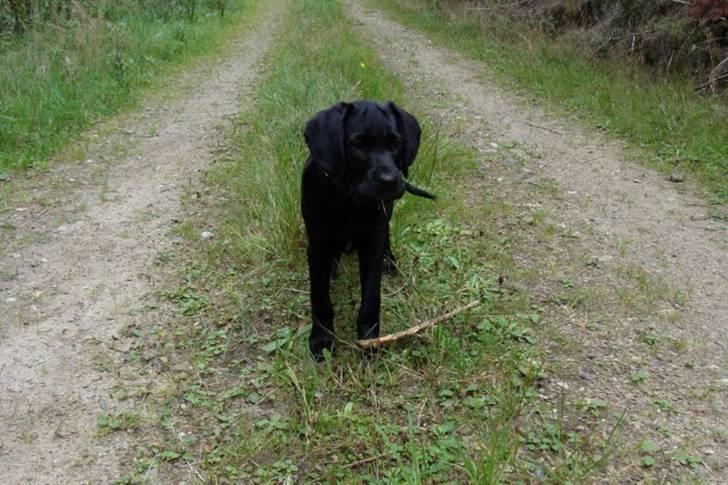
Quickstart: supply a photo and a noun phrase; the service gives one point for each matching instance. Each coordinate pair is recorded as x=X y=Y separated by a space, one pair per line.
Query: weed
x=639 y=376
x=664 y=405
x=595 y=406
x=687 y=459
x=652 y=338
x=121 y=422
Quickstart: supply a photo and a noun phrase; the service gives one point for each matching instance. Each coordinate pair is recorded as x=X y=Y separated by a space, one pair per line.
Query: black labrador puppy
x=360 y=156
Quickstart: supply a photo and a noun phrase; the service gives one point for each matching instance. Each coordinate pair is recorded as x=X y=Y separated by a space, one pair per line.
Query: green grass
x=58 y=80
x=671 y=127
x=458 y=404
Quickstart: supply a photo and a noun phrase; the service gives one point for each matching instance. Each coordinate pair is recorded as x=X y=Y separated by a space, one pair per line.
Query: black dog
x=360 y=156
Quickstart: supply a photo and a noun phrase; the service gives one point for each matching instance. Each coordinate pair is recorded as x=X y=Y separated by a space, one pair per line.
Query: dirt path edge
x=77 y=260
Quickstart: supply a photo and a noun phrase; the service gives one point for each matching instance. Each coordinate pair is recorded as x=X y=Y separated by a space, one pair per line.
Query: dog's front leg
x=320 y=264
x=389 y=262
x=371 y=255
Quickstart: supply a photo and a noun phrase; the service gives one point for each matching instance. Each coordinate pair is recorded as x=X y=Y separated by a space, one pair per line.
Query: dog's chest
x=342 y=223
x=334 y=215
x=347 y=220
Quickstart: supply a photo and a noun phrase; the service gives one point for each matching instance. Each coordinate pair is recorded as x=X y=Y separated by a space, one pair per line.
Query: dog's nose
x=386 y=178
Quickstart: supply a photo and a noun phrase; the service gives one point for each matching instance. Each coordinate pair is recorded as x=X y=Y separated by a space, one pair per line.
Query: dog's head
x=365 y=147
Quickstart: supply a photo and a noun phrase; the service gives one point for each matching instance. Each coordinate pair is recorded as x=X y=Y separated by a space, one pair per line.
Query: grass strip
x=668 y=125
x=57 y=80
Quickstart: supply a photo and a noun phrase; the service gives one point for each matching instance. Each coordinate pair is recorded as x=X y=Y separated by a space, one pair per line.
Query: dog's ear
x=410 y=130
x=324 y=134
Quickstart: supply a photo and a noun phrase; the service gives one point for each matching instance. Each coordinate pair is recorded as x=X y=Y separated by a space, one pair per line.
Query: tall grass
x=266 y=179
x=60 y=76
x=672 y=127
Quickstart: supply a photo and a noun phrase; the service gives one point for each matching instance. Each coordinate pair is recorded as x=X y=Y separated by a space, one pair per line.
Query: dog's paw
x=367 y=331
x=318 y=345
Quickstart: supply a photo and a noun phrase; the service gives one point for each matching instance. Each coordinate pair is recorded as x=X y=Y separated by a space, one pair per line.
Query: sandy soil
x=78 y=246
x=650 y=259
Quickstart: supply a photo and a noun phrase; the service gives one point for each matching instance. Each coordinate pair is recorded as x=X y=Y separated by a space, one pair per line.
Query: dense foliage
x=19 y=16
x=668 y=35
x=65 y=64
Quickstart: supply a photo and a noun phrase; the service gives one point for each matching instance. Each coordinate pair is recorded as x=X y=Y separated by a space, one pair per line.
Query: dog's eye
x=395 y=141
x=356 y=143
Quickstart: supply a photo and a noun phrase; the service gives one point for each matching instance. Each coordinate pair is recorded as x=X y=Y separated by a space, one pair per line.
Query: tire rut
x=613 y=214
x=79 y=257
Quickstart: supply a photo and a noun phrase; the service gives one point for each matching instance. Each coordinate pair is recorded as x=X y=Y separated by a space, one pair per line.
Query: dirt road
x=629 y=270
x=78 y=250
x=649 y=262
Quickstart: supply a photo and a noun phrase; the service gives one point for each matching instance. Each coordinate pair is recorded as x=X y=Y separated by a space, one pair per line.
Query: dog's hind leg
x=335 y=266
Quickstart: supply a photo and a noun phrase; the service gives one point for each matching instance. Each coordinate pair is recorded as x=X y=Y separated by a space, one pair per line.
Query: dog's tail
x=418 y=191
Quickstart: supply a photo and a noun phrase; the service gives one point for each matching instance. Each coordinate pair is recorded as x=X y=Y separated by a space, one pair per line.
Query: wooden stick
x=371 y=343
x=362 y=462
x=543 y=128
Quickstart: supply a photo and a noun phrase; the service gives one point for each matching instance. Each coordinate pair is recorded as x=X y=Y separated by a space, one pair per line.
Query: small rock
x=149 y=355
x=708 y=451
x=562 y=385
x=585 y=374
x=11 y=300
x=677 y=177
x=206 y=235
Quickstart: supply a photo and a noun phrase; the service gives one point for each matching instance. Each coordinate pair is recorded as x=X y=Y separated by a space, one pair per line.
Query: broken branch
x=371 y=343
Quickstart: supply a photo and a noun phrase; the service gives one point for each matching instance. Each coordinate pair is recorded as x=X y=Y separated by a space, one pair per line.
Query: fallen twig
x=711 y=84
x=546 y=128
x=371 y=343
x=714 y=76
x=362 y=462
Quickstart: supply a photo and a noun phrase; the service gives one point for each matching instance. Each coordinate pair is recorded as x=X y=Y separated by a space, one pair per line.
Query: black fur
x=360 y=154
